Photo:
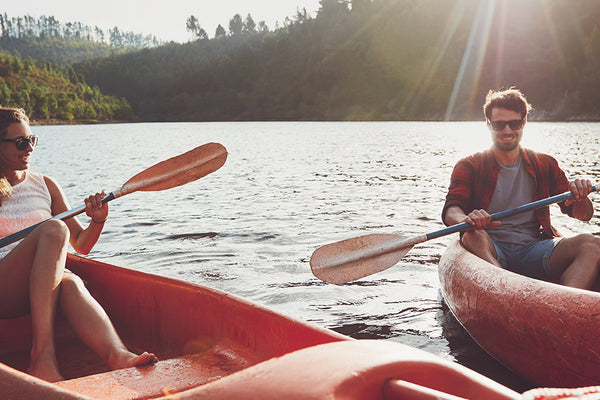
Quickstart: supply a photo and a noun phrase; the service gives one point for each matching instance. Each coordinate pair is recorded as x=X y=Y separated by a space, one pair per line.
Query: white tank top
x=29 y=204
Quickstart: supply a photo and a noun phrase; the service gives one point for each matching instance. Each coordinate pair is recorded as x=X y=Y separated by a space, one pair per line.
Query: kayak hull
x=546 y=333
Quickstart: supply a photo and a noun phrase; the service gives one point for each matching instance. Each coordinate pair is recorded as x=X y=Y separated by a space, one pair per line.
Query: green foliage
x=60 y=51
x=376 y=60
x=354 y=60
x=50 y=92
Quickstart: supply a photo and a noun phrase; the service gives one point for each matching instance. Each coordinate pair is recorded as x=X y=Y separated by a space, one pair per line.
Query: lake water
x=289 y=188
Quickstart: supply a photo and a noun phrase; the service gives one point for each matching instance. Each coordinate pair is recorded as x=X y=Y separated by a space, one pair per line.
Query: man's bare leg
x=479 y=243
x=575 y=261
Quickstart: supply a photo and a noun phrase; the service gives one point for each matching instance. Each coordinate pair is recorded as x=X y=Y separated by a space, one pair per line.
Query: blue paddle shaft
x=5 y=241
x=505 y=214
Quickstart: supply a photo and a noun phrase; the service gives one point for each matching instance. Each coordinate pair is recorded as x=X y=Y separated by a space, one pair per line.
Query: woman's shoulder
x=37 y=178
x=51 y=184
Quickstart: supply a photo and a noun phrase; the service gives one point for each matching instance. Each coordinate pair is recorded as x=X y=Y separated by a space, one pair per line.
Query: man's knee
x=589 y=246
x=474 y=239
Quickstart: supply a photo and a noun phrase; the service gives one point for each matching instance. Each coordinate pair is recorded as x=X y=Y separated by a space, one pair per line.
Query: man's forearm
x=583 y=210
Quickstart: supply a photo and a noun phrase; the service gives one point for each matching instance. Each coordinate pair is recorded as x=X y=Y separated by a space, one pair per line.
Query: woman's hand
x=94 y=208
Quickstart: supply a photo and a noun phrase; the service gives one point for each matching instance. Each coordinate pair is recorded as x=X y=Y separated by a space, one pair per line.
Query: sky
x=164 y=19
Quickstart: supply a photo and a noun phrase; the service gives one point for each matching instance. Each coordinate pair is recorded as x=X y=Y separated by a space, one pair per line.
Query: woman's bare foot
x=128 y=359
x=44 y=367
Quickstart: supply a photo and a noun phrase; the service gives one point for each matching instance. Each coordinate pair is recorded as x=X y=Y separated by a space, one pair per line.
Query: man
x=507 y=176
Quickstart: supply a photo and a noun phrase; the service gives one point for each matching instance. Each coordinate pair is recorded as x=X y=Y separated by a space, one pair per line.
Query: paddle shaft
x=403 y=242
x=505 y=214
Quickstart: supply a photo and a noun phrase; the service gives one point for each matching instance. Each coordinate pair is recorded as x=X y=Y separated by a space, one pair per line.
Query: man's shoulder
x=538 y=157
x=477 y=158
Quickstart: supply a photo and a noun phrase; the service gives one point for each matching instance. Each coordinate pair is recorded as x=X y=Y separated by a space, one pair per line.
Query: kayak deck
x=173 y=375
x=87 y=374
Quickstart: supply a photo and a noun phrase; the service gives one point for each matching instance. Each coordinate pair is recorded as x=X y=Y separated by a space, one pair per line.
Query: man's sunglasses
x=514 y=124
x=23 y=142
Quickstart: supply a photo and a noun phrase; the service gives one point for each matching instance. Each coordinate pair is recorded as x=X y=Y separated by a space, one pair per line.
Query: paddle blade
x=355 y=258
x=178 y=170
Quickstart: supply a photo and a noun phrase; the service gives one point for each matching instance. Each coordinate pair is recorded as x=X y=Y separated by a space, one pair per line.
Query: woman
x=34 y=279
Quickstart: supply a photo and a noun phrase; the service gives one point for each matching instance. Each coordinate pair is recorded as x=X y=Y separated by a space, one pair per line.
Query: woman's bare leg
x=31 y=276
x=34 y=280
x=89 y=320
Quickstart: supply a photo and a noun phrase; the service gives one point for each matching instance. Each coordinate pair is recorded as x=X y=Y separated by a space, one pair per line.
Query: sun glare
x=472 y=60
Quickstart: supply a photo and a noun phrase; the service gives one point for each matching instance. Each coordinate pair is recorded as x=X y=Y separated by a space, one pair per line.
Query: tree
x=116 y=37
x=235 y=25
x=302 y=15
x=17 y=65
x=99 y=33
x=262 y=27
x=220 y=32
x=5 y=93
x=39 y=100
x=52 y=105
x=192 y=25
x=331 y=9
x=249 y=25
x=29 y=64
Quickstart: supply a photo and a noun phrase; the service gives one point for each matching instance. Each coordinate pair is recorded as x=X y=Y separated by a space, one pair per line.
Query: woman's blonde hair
x=8 y=116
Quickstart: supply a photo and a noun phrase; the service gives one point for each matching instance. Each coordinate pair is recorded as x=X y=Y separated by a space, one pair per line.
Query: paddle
x=355 y=258
x=176 y=171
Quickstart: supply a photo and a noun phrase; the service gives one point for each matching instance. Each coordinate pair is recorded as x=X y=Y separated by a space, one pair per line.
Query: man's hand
x=580 y=188
x=480 y=219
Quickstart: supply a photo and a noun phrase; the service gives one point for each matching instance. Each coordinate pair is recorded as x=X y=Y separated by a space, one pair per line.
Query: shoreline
x=52 y=121
x=98 y=122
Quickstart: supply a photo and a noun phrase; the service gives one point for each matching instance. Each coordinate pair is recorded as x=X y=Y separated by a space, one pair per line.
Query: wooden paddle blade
x=178 y=170
x=351 y=259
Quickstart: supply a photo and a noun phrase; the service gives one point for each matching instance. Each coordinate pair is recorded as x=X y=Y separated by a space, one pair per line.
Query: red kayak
x=546 y=333
x=218 y=346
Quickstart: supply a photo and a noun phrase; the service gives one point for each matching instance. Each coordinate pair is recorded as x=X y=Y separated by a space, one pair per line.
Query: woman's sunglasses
x=23 y=142
x=514 y=124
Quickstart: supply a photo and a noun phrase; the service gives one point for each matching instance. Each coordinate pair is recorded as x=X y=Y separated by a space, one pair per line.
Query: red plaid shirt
x=474 y=179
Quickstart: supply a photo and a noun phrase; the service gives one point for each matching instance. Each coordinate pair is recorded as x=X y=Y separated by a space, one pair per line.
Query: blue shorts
x=530 y=259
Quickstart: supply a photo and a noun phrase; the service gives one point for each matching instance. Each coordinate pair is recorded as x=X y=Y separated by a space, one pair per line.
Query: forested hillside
x=380 y=59
x=47 y=91
x=369 y=60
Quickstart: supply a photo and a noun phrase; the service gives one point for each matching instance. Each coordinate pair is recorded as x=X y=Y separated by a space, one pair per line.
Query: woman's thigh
x=15 y=272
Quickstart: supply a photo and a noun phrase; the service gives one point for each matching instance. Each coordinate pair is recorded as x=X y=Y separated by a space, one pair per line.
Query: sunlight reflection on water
x=286 y=189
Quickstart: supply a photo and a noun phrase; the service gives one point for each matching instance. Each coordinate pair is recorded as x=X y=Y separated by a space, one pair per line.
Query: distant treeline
x=48 y=27
x=47 y=91
x=369 y=60
x=46 y=38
